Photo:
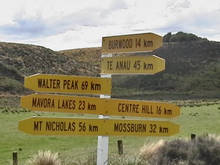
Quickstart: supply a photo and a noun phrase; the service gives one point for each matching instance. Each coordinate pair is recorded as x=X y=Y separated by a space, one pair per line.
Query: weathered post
x=103 y=141
x=193 y=137
x=120 y=147
x=15 y=158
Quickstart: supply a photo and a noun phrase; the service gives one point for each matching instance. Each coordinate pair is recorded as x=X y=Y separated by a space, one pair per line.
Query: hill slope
x=19 y=60
x=192 y=69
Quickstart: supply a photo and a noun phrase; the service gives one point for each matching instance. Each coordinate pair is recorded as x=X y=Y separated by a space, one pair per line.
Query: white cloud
x=69 y=24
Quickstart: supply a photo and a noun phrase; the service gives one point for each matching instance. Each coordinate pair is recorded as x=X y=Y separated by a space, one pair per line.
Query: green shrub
x=11 y=85
x=204 y=150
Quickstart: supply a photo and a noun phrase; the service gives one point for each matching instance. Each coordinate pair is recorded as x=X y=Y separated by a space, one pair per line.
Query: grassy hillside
x=192 y=71
x=30 y=59
x=19 y=60
x=192 y=68
x=90 y=57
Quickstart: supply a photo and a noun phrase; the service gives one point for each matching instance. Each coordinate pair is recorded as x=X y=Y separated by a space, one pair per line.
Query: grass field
x=196 y=117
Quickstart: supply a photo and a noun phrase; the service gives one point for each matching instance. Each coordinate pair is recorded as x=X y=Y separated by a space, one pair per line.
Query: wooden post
x=193 y=136
x=15 y=158
x=120 y=147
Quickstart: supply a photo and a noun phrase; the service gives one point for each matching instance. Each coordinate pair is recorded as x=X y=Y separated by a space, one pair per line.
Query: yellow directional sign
x=131 y=43
x=99 y=106
x=96 y=127
x=132 y=65
x=68 y=84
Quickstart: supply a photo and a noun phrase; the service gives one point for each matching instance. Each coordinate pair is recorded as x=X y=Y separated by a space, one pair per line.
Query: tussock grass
x=204 y=150
x=149 y=150
x=44 y=158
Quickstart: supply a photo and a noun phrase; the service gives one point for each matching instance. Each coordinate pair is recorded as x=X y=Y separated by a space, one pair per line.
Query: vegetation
x=204 y=150
x=197 y=117
x=191 y=80
x=181 y=37
x=12 y=85
x=192 y=71
x=44 y=158
x=192 y=68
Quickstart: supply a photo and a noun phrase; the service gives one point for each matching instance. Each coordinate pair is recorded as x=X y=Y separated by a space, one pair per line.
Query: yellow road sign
x=131 y=43
x=132 y=65
x=99 y=106
x=68 y=84
x=96 y=127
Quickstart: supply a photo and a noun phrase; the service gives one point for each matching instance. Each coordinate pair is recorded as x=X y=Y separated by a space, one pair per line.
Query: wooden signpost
x=99 y=106
x=95 y=127
x=103 y=106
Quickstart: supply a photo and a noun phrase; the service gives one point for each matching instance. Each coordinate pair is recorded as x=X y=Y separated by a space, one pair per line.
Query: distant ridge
x=192 y=68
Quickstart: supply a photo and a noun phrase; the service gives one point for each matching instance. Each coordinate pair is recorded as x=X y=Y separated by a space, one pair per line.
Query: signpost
x=68 y=84
x=144 y=42
x=95 y=127
x=132 y=65
x=99 y=106
x=103 y=106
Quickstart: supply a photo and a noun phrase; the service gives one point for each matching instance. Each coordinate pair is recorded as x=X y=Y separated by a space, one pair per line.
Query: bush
x=181 y=37
x=44 y=158
x=204 y=150
x=11 y=85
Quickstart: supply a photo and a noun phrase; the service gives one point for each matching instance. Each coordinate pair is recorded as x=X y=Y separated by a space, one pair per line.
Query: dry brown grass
x=149 y=150
x=44 y=158
x=204 y=150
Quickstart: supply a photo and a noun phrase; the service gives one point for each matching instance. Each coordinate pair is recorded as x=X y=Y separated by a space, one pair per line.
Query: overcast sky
x=68 y=24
